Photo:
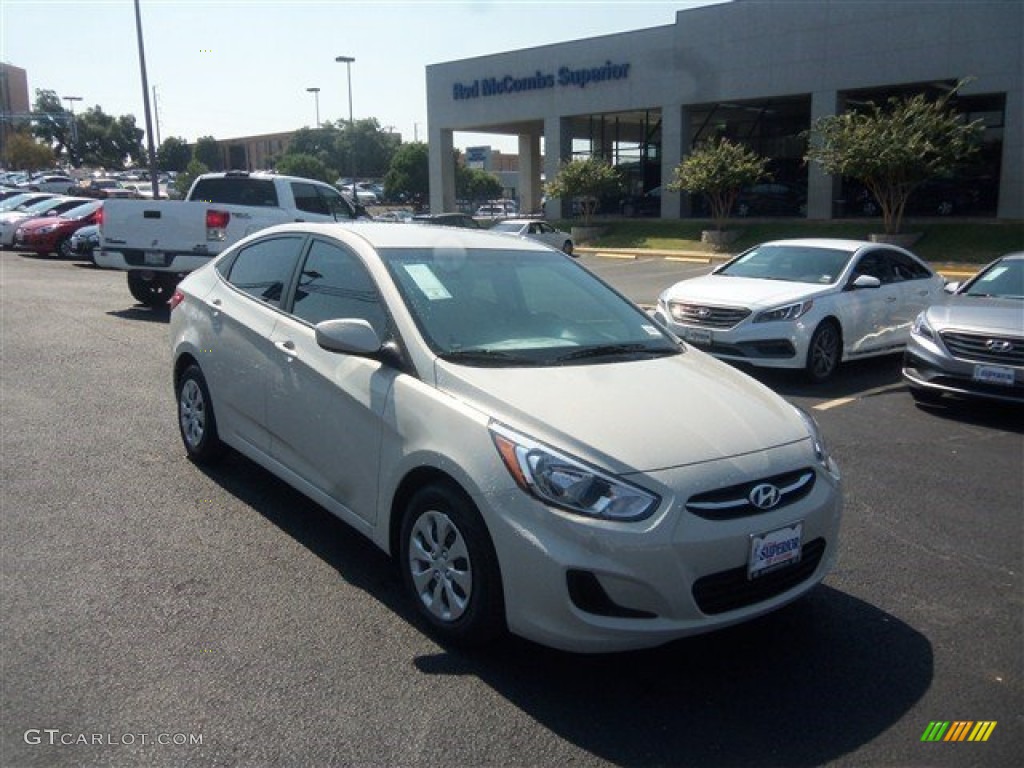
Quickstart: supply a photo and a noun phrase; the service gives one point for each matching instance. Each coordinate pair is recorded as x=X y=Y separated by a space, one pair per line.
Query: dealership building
x=755 y=71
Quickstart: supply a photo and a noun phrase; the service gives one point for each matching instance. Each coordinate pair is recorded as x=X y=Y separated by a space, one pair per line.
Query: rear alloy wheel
x=824 y=352
x=154 y=291
x=449 y=567
x=196 y=421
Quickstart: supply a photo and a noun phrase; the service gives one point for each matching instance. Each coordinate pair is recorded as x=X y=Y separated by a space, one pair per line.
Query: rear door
x=243 y=309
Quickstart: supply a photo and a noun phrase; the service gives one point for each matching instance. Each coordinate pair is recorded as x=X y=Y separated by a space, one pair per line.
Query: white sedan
x=536 y=230
x=807 y=303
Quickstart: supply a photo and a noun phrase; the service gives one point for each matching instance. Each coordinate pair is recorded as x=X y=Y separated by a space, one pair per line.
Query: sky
x=229 y=68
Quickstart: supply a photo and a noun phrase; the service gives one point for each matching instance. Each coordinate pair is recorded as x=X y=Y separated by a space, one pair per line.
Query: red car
x=51 y=234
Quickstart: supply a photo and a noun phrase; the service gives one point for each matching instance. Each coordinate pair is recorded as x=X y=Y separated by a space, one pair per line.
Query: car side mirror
x=951 y=287
x=866 y=281
x=349 y=336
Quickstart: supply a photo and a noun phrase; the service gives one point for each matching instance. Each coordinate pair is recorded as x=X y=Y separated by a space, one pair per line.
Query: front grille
x=730 y=590
x=707 y=316
x=735 y=501
x=983 y=348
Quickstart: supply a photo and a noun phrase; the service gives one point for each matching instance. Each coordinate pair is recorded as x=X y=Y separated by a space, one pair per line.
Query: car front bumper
x=929 y=367
x=592 y=586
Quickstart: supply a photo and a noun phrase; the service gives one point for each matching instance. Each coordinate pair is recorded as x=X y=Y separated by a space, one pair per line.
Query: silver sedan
x=540 y=231
x=972 y=343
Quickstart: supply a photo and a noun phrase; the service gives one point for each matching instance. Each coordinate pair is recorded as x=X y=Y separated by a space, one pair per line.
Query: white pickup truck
x=158 y=242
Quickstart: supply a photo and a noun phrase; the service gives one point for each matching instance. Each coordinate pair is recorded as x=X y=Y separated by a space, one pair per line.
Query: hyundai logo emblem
x=999 y=345
x=703 y=312
x=765 y=496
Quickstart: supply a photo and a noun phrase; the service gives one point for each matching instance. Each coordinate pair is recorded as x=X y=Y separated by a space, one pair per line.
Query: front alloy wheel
x=449 y=566
x=824 y=352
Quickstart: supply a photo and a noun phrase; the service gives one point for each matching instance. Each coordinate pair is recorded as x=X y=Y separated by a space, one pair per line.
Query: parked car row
x=44 y=223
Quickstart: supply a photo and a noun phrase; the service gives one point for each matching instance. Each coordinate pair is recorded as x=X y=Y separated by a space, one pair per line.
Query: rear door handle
x=286 y=346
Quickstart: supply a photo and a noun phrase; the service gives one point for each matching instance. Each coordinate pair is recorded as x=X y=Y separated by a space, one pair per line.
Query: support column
x=675 y=145
x=1011 y=177
x=557 y=149
x=823 y=189
x=442 y=170
x=529 y=173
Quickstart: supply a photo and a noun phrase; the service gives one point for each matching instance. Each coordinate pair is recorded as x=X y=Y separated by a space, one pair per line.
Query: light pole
x=347 y=60
x=73 y=153
x=316 y=98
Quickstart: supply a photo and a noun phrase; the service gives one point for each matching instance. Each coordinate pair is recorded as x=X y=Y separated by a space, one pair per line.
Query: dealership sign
x=539 y=81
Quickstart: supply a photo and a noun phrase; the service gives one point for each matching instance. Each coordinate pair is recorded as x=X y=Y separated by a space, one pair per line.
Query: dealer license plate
x=773 y=550
x=994 y=374
x=697 y=336
x=153 y=258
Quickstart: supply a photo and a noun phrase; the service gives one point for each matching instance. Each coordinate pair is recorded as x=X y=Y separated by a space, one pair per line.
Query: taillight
x=176 y=298
x=99 y=216
x=216 y=224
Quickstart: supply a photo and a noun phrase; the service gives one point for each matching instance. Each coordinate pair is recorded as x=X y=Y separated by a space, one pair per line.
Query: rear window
x=235 y=190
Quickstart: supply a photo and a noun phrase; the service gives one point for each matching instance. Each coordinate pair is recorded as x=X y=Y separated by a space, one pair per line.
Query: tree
x=207 y=151
x=108 y=141
x=174 y=154
x=719 y=169
x=184 y=180
x=409 y=174
x=373 y=149
x=307 y=166
x=892 y=148
x=475 y=184
x=587 y=179
x=23 y=153
x=53 y=123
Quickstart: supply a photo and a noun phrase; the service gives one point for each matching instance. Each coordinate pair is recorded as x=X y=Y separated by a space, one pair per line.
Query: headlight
x=788 y=312
x=817 y=441
x=46 y=230
x=921 y=328
x=569 y=483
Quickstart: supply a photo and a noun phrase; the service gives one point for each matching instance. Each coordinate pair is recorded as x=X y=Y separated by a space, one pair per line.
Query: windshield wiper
x=486 y=356
x=613 y=350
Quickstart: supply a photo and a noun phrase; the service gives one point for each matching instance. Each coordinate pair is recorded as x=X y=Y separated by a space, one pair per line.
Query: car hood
x=43 y=221
x=640 y=415
x=756 y=293
x=978 y=313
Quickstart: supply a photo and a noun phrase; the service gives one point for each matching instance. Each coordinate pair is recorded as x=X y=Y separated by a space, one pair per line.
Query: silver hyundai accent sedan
x=536 y=454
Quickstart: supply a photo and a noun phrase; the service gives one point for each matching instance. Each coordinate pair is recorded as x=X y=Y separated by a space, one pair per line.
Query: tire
x=567 y=247
x=196 y=421
x=824 y=353
x=64 y=249
x=154 y=292
x=449 y=567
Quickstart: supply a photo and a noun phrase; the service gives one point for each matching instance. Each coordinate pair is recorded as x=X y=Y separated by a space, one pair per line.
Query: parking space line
x=840 y=401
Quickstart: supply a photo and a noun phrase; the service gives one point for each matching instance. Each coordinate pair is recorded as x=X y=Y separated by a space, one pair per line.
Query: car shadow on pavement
x=852 y=378
x=144 y=313
x=800 y=687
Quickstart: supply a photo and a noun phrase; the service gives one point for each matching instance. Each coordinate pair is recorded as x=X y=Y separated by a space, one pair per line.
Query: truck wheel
x=154 y=291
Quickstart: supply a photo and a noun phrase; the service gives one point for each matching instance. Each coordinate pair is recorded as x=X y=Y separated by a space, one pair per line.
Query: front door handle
x=287 y=346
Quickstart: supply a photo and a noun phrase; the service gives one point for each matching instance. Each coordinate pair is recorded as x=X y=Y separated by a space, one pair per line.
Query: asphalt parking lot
x=155 y=614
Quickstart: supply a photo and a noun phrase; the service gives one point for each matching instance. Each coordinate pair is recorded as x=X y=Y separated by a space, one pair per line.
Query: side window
x=307 y=199
x=264 y=268
x=335 y=203
x=907 y=268
x=335 y=284
x=874 y=264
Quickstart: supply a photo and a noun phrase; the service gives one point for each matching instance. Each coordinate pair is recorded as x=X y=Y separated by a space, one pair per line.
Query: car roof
x=387 y=235
x=835 y=243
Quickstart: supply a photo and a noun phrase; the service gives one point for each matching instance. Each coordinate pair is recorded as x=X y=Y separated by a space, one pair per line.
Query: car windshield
x=519 y=308
x=1004 y=279
x=40 y=206
x=506 y=226
x=792 y=263
x=81 y=211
